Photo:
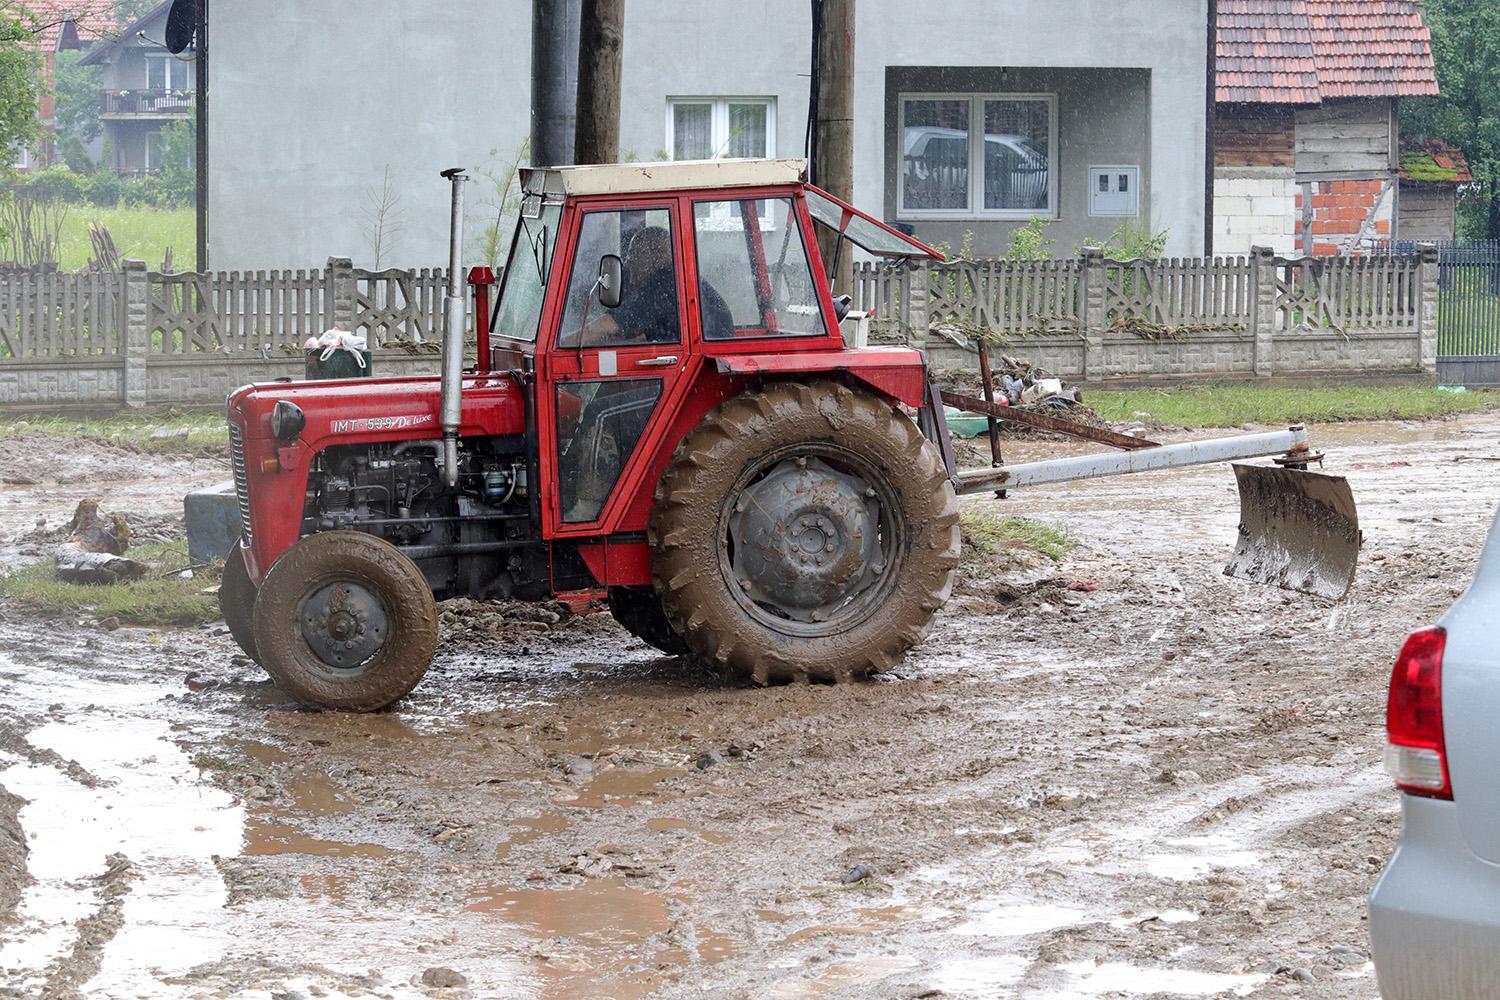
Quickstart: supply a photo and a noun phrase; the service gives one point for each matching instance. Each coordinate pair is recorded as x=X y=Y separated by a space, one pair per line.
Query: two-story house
x=143 y=88
x=971 y=117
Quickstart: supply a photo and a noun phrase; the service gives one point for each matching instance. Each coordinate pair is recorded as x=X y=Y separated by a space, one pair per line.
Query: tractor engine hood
x=352 y=411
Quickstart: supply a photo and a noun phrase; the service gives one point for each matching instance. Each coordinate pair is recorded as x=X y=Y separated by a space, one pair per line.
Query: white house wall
x=311 y=101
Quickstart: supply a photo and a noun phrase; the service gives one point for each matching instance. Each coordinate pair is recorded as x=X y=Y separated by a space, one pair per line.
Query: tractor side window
x=598 y=425
x=647 y=313
x=754 y=279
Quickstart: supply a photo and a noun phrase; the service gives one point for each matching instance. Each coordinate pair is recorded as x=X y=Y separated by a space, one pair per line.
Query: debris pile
x=1019 y=383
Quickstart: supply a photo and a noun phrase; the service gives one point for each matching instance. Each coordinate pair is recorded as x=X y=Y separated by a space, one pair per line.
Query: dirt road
x=1165 y=786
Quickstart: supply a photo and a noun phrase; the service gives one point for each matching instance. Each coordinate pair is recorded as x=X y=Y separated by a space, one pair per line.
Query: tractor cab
x=625 y=283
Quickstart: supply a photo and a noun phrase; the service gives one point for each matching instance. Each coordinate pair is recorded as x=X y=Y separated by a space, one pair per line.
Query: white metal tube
x=450 y=412
x=1172 y=456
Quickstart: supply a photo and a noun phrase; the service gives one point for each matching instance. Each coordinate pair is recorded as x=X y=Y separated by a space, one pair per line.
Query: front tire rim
x=811 y=539
x=344 y=624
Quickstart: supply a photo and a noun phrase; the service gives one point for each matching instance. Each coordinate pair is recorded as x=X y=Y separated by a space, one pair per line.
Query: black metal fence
x=1468 y=295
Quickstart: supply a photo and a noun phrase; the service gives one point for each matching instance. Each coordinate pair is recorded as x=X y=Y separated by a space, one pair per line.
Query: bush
x=105 y=189
x=1030 y=241
x=55 y=183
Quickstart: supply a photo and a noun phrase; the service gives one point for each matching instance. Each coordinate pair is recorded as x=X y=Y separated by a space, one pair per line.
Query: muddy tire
x=804 y=532
x=639 y=612
x=237 y=602
x=345 y=621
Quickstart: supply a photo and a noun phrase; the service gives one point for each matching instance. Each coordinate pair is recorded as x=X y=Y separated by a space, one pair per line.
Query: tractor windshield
x=519 y=309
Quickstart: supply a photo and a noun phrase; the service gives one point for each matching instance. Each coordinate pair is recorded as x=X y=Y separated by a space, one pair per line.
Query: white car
x=1435 y=913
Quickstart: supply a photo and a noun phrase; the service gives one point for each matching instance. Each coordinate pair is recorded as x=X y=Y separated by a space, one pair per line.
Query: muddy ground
x=1168 y=786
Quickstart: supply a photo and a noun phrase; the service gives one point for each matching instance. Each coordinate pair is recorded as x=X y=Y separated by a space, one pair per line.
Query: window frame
x=572 y=269
x=797 y=221
x=169 y=74
x=719 y=136
x=975 y=209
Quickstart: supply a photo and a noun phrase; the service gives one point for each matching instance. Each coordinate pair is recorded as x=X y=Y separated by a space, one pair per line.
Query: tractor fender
x=897 y=373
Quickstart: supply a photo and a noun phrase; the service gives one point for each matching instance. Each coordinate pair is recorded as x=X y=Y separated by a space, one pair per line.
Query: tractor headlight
x=287 y=421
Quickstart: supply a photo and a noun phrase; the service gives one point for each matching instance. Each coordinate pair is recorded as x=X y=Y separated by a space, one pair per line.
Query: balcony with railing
x=146 y=103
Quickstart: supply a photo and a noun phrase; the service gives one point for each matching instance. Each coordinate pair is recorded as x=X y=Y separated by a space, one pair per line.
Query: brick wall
x=1343 y=216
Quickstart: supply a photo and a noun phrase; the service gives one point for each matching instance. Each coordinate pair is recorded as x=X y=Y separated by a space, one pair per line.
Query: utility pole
x=833 y=165
x=200 y=120
x=600 y=41
x=554 y=81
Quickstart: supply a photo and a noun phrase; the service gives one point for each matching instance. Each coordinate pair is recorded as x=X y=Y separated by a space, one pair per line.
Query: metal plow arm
x=1170 y=456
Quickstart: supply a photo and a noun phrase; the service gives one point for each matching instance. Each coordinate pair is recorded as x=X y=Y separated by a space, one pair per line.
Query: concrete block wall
x=99 y=384
x=1255 y=206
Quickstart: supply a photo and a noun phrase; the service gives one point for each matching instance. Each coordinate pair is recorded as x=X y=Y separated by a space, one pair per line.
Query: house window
x=153 y=151
x=949 y=171
x=169 y=72
x=707 y=128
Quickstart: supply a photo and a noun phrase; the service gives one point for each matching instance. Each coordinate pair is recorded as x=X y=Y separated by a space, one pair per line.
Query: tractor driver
x=647 y=313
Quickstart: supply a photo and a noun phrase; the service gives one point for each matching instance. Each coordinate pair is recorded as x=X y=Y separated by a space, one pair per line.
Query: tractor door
x=618 y=351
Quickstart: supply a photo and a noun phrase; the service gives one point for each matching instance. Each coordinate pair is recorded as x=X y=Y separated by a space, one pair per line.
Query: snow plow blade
x=1298 y=531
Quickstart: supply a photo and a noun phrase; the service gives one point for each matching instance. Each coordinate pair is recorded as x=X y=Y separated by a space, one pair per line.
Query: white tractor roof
x=666 y=175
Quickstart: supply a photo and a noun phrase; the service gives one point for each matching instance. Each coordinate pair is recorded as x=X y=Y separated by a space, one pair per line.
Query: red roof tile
x=1309 y=51
x=91 y=19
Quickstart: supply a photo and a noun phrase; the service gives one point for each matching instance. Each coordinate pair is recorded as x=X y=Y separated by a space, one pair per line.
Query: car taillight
x=1414 y=753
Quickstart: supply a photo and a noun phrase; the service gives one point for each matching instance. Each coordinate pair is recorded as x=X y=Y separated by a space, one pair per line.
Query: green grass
x=986 y=536
x=139 y=233
x=152 y=600
x=1235 y=405
x=206 y=432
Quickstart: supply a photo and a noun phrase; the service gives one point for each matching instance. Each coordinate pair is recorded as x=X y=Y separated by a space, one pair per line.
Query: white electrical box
x=1114 y=191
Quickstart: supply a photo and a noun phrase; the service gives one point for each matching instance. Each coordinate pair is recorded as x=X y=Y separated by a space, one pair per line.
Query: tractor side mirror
x=611 y=281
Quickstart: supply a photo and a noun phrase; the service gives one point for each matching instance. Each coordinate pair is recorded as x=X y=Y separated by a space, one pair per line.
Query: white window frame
x=976 y=159
x=719 y=129
x=146 y=163
x=722 y=219
x=185 y=69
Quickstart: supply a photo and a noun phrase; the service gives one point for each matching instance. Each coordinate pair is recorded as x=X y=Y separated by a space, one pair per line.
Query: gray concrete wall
x=99 y=383
x=310 y=102
x=297 y=142
x=1207 y=356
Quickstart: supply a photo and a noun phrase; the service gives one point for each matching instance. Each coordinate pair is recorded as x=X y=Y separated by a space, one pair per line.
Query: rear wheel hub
x=806 y=541
x=344 y=624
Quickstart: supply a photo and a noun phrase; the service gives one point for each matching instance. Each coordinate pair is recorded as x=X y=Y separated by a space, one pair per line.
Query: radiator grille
x=241 y=482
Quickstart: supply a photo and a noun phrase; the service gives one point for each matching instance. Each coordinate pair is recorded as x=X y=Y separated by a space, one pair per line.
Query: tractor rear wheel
x=345 y=621
x=237 y=601
x=638 y=610
x=804 y=531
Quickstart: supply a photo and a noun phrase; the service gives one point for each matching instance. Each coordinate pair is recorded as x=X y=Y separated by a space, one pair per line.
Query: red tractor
x=663 y=411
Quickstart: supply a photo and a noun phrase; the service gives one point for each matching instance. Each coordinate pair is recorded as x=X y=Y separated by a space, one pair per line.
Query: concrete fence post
x=135 y=332
x=1095 y=317
x=918 y=296
x=1262 y=319
x=339 y=288
x=1427 y=306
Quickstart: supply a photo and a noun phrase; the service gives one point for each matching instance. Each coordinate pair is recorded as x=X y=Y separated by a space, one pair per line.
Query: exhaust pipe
x=450 y=410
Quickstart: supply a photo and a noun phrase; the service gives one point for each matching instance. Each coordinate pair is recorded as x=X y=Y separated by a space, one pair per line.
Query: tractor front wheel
x=237 y=601
x=344 y=621
x=804 y=531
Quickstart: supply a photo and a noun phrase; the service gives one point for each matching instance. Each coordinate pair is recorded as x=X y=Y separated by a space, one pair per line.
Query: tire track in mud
x=111 y=808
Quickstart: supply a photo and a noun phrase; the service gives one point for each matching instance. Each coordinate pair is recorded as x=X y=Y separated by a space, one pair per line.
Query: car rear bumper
x=1435 y=913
